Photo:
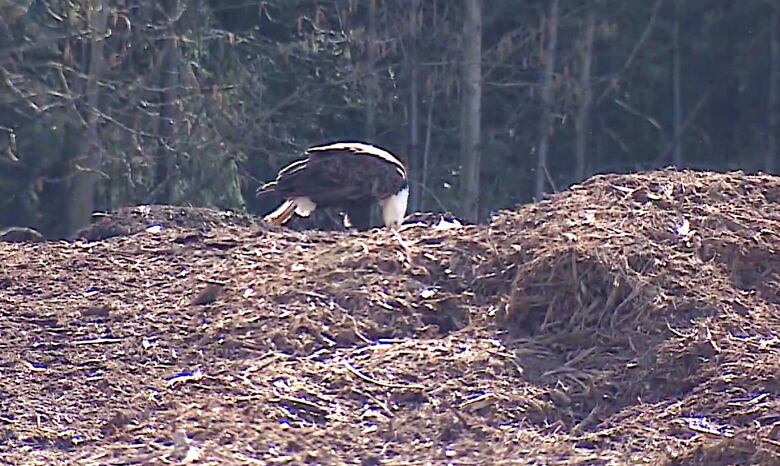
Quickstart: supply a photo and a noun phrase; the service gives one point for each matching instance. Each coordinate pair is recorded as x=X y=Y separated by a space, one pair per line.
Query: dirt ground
x=630 y=320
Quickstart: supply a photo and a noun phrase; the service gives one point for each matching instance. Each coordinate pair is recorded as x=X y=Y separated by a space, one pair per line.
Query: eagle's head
x=394 y=208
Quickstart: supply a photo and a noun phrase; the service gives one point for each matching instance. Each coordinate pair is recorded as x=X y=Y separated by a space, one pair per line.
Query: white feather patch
x=394 y=208
x=304 y=206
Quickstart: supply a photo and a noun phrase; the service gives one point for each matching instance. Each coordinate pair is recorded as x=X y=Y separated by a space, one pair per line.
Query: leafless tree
x=472 y=111
x=82 y=199
x=676 y=90
x=414 y=106
x=166 y=158
x=770 y=159
x=372 y=80
x=545 y=122
x=582 y=122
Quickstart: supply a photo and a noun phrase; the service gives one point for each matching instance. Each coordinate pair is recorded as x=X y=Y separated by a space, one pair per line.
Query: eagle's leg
x=358 y=215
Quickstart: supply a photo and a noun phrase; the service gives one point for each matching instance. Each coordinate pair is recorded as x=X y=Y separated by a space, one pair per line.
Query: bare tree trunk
x=165 y=175
x=545 y=126
x=426 y=152
x=472 y=111
x=372 y=81
x=582 y=123
x=82 y=199
x=414 y=108
x=372 y=85
x=677 y=97
x=770 y=160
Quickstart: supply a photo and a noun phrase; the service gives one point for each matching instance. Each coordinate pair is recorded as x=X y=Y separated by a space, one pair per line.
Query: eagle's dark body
x=349 y=176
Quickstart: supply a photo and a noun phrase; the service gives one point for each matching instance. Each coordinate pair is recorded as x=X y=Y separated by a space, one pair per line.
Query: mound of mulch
x=659 y=294
x=632 y=319
x=131 y=220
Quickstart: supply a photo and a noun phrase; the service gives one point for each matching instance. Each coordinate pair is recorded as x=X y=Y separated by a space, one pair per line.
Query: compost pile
x=632 y=319
x=131 y=220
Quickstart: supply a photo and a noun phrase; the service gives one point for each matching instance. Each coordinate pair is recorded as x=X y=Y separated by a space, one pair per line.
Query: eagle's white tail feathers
x=394 y=208
x=302 y=206
x=281 y=214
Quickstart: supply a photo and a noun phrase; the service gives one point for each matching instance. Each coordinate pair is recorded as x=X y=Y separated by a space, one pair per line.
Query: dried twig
x=366 y=378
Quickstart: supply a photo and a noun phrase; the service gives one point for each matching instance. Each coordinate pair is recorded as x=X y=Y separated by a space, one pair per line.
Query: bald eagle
x=350 y=176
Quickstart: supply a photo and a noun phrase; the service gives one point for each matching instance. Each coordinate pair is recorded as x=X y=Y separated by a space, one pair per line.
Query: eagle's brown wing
x=361 y=149
x=340 y=174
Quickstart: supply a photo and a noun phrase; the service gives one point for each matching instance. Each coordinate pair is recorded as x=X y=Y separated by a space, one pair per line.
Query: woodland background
x=107 y=103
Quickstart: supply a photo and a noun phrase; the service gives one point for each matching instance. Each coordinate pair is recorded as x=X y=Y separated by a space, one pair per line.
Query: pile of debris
x=632 y=319
x=135 y=219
